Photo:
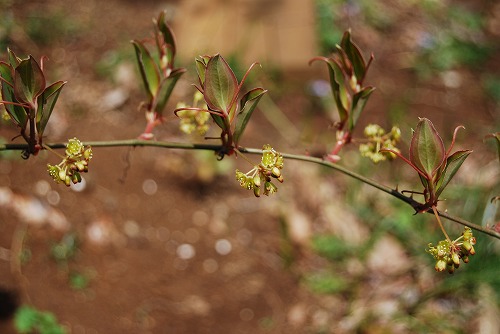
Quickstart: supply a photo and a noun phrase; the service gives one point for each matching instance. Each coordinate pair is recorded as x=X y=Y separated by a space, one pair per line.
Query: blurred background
x=164 y=241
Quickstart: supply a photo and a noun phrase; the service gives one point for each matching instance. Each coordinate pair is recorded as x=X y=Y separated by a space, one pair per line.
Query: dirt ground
x=168 y=242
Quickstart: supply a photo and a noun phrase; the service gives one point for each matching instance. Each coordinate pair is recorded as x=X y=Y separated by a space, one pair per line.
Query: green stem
x=216 y=148
x=434 y=210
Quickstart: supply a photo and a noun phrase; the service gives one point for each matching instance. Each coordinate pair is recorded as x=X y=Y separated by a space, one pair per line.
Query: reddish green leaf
x=339 y=89
x=201 y=67
x=247 y=103
x=17 y=113
x=13 y=59
x=29 y=81
x=167 y=34
x=220 y=84
x=46 y=103
x=219 y=121
x=166 y=88
x=147 y=66
x=427 y=150
x=358 y=104
x=354 y=55
x=453 y=163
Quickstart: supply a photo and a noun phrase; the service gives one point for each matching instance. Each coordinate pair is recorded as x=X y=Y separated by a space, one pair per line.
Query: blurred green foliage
x=452 y=35
x=46 y=28
x=452 y=38
x=29 y=320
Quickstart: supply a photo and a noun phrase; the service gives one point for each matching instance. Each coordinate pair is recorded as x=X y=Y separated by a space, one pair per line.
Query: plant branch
x=217 y=148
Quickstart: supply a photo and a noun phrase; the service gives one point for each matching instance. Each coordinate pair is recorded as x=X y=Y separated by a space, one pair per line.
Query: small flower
x=193 y=119
x=262 y=174
x=378 y=139
x=75 y=162
x=449 y=253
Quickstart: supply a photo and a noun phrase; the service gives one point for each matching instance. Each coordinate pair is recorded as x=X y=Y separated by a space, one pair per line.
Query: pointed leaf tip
x=427 y=150
x=149 y=71
x=220 y=84
x=29 y=81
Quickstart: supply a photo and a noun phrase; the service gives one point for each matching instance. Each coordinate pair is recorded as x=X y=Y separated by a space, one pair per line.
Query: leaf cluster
x=27 y=98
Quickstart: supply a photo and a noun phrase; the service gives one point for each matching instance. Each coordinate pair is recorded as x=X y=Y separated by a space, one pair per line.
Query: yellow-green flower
x=75 y=162
x=260 y=176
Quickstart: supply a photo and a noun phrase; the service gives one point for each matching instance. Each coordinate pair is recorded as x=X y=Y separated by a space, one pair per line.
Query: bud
x=256 y=191
x=456 y=259
x=373 y=130
x=80 y=166
x=87 y=154
x=467 y=246
x=256 y=180
x=395 y=133
x=275 y=172
x=76 y=178
x=472 y=251
x=354 y=84
x=163 y=62
x=440 y=265
x=62 y=175
x=270 y=188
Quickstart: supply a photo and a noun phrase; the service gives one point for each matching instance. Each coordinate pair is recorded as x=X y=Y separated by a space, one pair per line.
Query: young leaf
x=147 y=66
x=46 y=103
x=248 y=103
x=201 y=67
x=453 y=163
x=165 y=89
x=168 y=35
x=16 y=112
x=220 y=84
x=427 y=150
x=358 y=104
x=354 y=55
x=337 y=83
x=13 y=59
x=29 y=81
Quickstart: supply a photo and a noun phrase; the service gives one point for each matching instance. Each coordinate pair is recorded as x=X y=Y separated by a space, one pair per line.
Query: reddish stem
x=341 y=142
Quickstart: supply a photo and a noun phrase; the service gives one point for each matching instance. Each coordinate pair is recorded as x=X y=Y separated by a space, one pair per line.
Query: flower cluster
x=193 y=119
x=76 y=161
x=378 y=139
x=260 y=176
x=449 y=253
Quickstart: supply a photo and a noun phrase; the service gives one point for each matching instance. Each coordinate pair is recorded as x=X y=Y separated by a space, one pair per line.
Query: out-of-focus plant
x=377 y=139
x=454 y=36
x=158 y=72
x=194 y=120
x=347 y=69
x=29 y=320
